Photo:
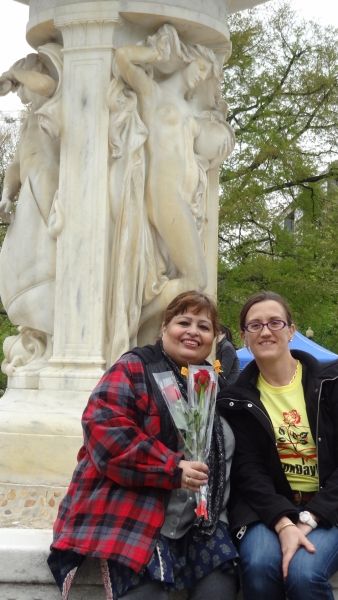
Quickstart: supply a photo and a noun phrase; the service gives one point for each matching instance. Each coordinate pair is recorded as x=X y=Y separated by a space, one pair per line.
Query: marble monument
x=112 y=205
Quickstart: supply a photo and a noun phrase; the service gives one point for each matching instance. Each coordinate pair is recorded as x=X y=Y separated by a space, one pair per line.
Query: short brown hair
x=196 y=301
x=261 y=297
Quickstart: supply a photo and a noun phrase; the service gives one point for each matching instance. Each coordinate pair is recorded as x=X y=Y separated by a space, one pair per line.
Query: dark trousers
x=218 y=585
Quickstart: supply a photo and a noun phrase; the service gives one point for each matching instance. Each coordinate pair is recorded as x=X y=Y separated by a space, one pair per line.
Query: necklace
x=295 y=373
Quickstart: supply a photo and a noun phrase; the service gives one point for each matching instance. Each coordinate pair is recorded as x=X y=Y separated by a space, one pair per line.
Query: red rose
x=171 y=393
x=201 y=380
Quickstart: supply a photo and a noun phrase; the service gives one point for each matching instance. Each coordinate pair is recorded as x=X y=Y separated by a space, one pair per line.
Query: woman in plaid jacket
x=131 y=500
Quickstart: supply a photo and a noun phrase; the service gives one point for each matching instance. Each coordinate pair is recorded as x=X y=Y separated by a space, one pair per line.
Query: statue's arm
x=129 y=61
x=39 y=83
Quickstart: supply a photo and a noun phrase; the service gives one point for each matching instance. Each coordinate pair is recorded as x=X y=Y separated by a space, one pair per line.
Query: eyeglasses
x=273 y=325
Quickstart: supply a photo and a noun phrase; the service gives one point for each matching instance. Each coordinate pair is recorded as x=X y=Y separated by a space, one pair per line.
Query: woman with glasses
x=283 y=410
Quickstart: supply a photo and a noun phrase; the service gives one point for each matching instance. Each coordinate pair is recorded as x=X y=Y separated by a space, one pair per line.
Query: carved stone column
x=81 y=269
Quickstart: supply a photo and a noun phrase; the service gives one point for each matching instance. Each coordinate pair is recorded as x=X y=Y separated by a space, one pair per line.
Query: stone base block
x=48 y=592
x=24 y=574
x=40 y=435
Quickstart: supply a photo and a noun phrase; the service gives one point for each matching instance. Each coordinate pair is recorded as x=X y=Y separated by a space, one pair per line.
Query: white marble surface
x=40 y=435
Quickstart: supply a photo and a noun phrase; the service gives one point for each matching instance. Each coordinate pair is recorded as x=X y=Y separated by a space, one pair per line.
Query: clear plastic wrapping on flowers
x=193 y=417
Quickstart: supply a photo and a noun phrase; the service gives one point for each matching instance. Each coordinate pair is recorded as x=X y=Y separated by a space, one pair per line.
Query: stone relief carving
x=27 y=258
x=167 y=129
x=29 y=349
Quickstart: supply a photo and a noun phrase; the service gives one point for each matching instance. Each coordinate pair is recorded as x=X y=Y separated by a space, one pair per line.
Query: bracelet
x=285 y=525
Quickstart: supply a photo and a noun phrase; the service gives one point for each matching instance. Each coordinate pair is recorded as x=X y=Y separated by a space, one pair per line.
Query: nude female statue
x=165 y=73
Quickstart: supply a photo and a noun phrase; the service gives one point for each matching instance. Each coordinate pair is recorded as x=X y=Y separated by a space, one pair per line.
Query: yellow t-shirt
x=295 y=444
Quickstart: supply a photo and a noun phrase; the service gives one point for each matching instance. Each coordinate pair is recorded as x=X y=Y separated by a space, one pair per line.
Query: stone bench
x=24 y=574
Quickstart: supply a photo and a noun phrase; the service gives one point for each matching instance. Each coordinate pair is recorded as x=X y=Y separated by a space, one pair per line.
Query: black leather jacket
x=260 y=490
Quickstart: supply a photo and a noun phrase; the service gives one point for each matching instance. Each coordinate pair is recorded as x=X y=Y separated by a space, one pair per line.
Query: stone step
x=24 y=574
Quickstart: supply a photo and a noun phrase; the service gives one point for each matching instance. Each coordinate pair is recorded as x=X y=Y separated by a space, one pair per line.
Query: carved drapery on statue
x=167 y=129
x=27 y=258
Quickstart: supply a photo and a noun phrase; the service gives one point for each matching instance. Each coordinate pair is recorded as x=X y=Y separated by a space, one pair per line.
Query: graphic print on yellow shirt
x=295 y=444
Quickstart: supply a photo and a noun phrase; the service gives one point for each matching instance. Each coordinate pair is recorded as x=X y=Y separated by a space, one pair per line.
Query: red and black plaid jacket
x=115 y=505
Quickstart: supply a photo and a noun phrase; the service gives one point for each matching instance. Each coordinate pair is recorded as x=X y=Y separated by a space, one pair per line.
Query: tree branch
x=289 y=184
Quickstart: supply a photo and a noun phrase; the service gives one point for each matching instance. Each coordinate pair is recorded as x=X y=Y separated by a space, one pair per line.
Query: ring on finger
x=187 y=479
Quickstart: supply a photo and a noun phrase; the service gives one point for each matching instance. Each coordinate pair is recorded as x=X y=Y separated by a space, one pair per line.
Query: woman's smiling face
x=266 y=344
x=188 y=337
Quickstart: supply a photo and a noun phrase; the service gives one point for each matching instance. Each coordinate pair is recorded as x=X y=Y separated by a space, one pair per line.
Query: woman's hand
x=291 y=537
x=306 y=529
x=194 y=474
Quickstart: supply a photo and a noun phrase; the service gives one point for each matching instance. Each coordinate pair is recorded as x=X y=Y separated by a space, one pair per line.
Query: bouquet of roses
x=193 y=417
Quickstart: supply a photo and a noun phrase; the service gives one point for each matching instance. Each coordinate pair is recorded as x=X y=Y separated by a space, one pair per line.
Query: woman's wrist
x=283 y=523
x=308 y=518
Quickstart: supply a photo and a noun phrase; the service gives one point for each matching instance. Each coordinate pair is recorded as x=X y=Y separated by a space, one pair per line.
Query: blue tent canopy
x=299 y=342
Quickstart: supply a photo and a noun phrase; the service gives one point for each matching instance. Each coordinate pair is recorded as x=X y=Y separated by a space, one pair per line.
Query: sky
x=14 y=18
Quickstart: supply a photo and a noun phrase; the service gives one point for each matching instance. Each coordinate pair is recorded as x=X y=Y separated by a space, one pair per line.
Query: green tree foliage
x=281 y=85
